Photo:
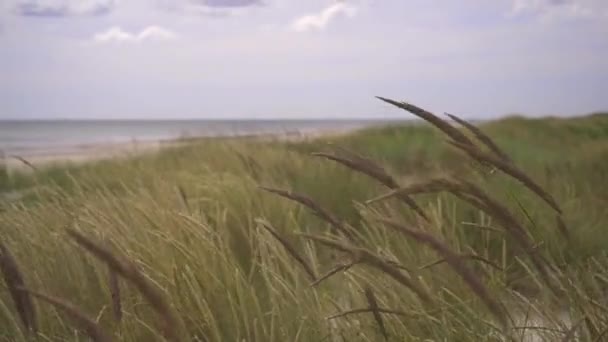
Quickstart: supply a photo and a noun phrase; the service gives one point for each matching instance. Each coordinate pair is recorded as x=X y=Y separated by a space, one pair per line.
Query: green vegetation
x=185 y=244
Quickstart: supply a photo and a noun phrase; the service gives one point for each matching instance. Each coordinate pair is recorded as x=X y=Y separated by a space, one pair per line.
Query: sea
x=47 y=137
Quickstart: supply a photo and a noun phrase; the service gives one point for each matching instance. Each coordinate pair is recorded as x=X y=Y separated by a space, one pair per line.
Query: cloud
x=228 y=3
x=560 y=9
x=150 y=33
x=317 y=22
x=63 y=8
x=212 y=8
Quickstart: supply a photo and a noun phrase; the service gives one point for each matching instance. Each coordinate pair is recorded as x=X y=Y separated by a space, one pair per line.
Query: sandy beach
x=92 y=152
x=82 y=154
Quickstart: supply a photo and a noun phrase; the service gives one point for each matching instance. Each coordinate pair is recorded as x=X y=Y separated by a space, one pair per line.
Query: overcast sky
x=300 y=58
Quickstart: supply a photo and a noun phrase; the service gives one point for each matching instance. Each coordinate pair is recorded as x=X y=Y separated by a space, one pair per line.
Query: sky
x=150 y=59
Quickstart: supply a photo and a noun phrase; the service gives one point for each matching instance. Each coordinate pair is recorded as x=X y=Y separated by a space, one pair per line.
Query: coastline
x=79 y=154
x=82 y=154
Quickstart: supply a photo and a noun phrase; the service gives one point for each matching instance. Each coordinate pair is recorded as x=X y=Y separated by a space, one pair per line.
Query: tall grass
x=458 y=243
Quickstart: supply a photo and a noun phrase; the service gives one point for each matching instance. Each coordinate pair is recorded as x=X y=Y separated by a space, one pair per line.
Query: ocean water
x=30 y=138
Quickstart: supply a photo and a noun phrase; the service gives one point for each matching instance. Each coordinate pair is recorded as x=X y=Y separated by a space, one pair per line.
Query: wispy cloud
x=228 y=3
x=320 y=20
x=117 y=34
x=63 y=8
x=212 y=8
x=561 y=9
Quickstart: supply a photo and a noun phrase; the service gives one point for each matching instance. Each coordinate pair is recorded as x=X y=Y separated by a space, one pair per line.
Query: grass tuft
x=14 y=280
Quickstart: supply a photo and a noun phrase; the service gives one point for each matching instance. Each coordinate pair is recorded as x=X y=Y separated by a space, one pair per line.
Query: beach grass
x=316 y=240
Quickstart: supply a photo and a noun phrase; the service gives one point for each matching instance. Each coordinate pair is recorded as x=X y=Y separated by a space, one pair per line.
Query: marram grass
x=497 y=234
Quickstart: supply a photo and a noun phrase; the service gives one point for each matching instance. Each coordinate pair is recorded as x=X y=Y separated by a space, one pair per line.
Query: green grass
x=190 y=219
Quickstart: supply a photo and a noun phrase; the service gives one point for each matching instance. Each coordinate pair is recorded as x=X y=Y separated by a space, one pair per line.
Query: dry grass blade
x=510 y=170
x=114 y=285
x=352 y=250
x=183 y=197
x=465 y=256
x=482 y=227
x=314 y=206
x=171 y=325
x=84 y=322
x=291 y=250
x=366 y=310
x=14 y=280
x=436 y=121
x=373 y=170
x=562 y=226
x=453 y=259
x=434 y=185
x=482 y=137
x=339 y=268
x=114 y=288
x=373 y=305
x=25 y=162
x=363 y=255
x=363 y=165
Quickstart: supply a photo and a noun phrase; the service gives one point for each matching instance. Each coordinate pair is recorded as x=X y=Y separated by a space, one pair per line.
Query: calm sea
x=27 y=138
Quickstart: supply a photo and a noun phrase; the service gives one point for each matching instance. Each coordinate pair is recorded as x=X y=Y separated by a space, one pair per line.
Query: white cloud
x=320 y=20
x=117 y=34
